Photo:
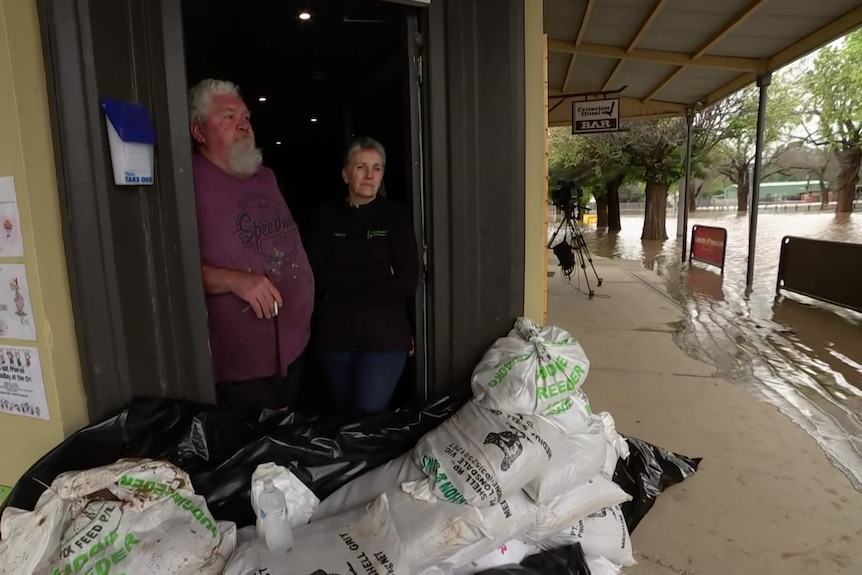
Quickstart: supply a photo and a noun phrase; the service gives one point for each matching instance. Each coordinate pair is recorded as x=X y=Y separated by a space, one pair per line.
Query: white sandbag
x=582 y=457
x=134 y=516
x=301 y=501
x=572 y=414
x=482 y=456
x=619 y=447
x=532 y=370
x=511 y=552
x=603 y=533
x=565 y=510
x=363 y=540
x=603 y=566
x=434 y=534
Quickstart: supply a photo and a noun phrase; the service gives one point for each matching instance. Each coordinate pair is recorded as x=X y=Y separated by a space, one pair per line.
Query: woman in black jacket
x=365 y=261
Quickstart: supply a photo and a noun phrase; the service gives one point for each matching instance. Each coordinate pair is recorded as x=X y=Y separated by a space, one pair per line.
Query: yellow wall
x=535 y=264
x=26 y=153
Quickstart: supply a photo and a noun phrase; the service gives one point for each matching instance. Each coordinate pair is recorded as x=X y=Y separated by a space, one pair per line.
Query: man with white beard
x=258 y=282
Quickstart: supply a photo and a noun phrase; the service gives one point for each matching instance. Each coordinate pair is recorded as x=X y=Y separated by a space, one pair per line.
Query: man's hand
x=259 y=292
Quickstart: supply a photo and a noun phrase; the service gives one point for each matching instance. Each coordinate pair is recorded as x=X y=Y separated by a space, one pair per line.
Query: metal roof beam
x=578 y=39
x=835 y=29
x=643 y=28
x=728 y=28
x=657 y=56
x=663 y=83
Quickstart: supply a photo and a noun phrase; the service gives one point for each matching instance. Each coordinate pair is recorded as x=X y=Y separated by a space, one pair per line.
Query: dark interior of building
x=315 y=74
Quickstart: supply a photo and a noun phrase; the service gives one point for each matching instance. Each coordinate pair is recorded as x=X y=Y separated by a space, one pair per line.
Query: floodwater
x=802 y=356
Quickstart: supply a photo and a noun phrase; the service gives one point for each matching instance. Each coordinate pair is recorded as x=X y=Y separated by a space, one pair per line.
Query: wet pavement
x=802 y=356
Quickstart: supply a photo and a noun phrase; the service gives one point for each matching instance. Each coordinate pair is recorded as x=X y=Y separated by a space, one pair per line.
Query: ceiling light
x=278 y=143
x=262 y=99
x=313 y=120
x=305 y=16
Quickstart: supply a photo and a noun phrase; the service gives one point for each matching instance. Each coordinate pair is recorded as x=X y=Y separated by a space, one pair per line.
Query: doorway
x=132 y=251
x=315 y=74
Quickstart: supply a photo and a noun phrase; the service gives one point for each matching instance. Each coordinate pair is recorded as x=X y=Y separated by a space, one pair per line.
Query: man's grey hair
x=201 y=95
x=361 y=144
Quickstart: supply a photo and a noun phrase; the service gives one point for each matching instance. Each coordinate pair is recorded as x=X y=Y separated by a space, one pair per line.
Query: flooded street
x=803 y=357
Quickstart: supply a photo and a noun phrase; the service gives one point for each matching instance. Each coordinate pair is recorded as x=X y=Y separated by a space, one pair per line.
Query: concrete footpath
x=765 y=499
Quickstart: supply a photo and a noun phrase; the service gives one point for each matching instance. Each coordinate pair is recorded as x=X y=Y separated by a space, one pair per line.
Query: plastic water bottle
x=273 y=515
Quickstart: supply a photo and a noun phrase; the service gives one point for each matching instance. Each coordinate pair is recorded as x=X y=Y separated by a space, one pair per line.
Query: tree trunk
x=849 y=160
x=612 y=195
x=693 y=195
x=601 y=212
x=742 y=185
x=824 y=194
x=656 y=209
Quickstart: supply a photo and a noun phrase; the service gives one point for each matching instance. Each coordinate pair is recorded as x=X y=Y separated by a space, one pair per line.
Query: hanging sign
x=594 y=116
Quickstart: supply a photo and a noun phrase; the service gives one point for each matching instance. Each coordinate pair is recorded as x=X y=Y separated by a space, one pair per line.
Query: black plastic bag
x=220 y=451
x=568 y=560
x=647 y=472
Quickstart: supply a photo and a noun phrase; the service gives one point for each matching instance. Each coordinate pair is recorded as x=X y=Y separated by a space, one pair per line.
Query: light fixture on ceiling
x=313 y=120
x=278 y=143
x=305 y=16
x=262 y=99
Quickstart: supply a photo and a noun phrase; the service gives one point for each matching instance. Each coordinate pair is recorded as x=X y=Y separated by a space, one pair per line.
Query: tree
x=800 y=162
x=733 y=157
x=834 y=86
x=597 y=162
x=654 y=147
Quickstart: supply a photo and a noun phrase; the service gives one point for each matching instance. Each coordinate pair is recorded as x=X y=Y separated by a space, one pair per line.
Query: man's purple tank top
x=245 y=224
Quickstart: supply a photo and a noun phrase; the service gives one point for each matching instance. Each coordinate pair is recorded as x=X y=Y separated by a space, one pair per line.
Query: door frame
x=84 y=187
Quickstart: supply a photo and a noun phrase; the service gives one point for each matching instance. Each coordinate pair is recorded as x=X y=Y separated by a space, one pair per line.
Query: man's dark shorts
x=248 y=398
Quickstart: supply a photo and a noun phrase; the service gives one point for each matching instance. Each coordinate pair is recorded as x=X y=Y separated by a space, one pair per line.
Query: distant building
x=772 y=192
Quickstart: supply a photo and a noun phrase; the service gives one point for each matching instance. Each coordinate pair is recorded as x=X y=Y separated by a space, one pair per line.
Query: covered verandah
x=665 y=58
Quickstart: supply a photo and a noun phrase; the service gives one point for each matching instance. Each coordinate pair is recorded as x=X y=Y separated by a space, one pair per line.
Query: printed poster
x=22 y=389
x=11 y=240
x=16 y=312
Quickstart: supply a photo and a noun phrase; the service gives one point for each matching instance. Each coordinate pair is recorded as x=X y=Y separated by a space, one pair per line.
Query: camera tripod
x=576 y=252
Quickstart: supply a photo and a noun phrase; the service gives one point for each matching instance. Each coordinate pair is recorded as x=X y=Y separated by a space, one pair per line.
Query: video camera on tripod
x=568 y=197
x=572 y=250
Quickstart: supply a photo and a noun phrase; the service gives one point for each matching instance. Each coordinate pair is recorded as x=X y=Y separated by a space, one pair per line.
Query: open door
x=131 y=251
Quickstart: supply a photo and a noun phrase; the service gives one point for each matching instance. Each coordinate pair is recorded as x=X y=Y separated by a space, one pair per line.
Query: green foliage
x=834 y=86
x=734 y=153
x=592 y=159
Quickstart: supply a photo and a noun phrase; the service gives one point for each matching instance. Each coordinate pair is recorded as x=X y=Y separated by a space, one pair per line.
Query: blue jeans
x=362 y=381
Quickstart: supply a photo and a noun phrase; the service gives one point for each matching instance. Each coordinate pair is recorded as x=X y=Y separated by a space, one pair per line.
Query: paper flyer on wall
x=22 y=389
x=11 y=240
x=16 y=312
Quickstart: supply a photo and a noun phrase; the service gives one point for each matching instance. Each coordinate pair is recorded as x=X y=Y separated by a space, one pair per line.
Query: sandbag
x=618 y=448
x=567 y=509
x=482 y=456
x=509 y=553
x=134 y=516
x=360 y=541
x=582 y=457
x=572 y=414
x=434 y=534
x=603 y=533
x=603 y=566
x=533 y=370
